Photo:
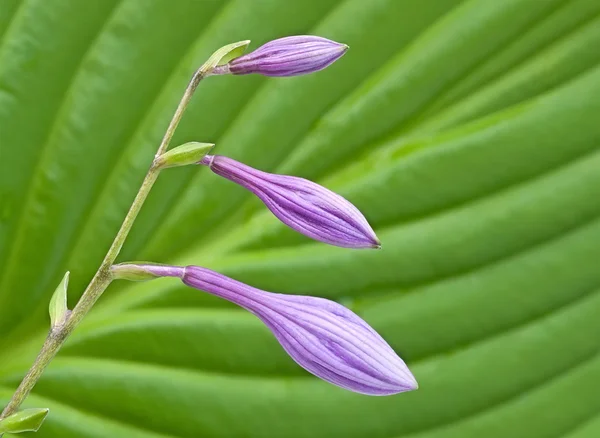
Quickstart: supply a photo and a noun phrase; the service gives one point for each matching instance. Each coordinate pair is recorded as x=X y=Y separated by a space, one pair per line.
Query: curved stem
x=185 y=100
x=103 y=277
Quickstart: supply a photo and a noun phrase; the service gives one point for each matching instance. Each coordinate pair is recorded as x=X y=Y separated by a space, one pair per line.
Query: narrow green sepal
x=58 y=303
x=28 y=420
x=224 y=55
x=188 y=153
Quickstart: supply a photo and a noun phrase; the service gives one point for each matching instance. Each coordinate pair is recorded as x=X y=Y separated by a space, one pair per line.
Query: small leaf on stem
x=58 y=303
x=28 y=420
x=188 y=153
x=224 y=55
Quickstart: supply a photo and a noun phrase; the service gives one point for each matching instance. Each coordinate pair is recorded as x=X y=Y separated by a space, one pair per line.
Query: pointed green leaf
x=58 y=303
x=28 y=420
x=185 y=154
x=225 y=54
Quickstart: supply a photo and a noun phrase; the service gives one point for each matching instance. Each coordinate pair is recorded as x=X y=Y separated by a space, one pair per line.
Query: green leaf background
x=467 y=131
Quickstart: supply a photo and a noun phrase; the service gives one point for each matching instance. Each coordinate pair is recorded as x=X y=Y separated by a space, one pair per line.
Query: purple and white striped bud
x=323 y=337
x=303 y=205
x=289 y=56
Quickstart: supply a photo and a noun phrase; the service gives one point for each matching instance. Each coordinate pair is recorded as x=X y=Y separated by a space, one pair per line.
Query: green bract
x=189 y=153
x=58 y=303
x=28 y=420
x=224 y=55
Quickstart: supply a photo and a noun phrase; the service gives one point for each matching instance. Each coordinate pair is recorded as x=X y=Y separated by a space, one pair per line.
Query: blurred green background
x=468 y=132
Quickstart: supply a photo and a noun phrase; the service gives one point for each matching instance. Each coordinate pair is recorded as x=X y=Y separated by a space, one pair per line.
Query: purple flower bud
x=303 y=205
x=289 y=56
x=325 y=338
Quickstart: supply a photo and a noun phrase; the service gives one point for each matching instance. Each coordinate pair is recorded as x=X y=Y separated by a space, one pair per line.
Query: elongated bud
x=188 y=153
x=303 y=205
x=322 y=336
x=27 y=420
x=289 y=56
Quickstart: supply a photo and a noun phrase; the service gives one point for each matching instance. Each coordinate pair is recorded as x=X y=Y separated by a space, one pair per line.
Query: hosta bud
x=322 y=336
x=303 y=205
x=289 y=56
x=325 y=338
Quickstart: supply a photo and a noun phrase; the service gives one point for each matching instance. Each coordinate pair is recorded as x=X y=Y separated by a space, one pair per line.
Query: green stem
x=102 y=279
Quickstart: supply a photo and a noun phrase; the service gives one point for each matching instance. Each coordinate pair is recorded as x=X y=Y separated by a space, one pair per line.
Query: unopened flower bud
x=322 y=336
x=289 y=56
x=325 y=338
x=303 y=205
